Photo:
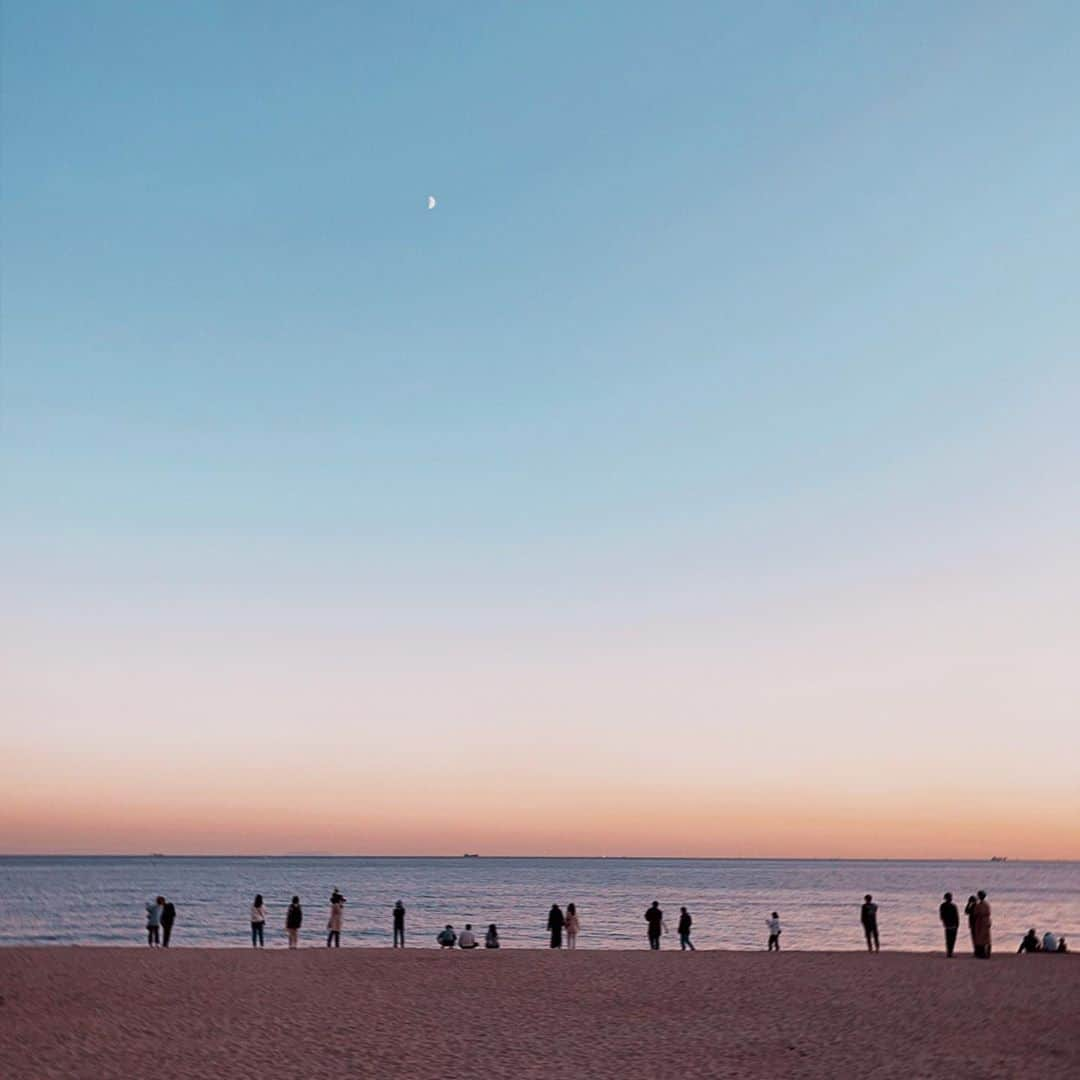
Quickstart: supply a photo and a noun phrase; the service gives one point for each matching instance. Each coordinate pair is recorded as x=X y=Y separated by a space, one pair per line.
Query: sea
x=100 y=900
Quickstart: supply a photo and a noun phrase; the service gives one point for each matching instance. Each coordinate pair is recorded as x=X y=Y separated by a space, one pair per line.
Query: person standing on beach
x=969 y=911
x=294 y=919
x=573 y=925
x=337 y=915
x=258 y=921
x=868 y=918
x=773 y=923
x=655 y=918
x=399 y=925
x=686 y=921
x=980 y=931
x=153 y=923
x=950 y=919
x=168 y=917
x=556 y=922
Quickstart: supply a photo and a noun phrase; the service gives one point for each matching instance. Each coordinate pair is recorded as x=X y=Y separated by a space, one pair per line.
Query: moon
x=431 y=202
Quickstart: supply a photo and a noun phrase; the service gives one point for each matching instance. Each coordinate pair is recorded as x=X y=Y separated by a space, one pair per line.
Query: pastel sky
x=700 y=477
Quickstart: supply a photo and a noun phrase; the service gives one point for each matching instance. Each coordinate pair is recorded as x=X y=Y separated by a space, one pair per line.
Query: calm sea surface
x=100 y=900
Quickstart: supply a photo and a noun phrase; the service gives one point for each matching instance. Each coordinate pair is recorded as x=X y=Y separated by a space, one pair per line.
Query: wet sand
x=95 y=1012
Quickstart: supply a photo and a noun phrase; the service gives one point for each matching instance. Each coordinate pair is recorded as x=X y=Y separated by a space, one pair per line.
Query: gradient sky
x=699 y=478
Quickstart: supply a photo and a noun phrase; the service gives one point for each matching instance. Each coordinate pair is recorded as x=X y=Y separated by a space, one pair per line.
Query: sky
x=700 y=477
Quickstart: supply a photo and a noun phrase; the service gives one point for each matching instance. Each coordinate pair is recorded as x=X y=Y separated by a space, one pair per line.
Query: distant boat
x=470 y=855
x=999 y=858
x=157 y=854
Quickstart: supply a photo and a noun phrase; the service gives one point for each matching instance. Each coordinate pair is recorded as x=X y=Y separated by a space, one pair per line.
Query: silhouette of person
x=153 y=922
x=258 y=921
x=491 y=938
x=969 y=911
x=337 y=917
x=773 y=924
x=655 y=918
x=168 y=917
x=868 y=918
x=981 y=926
x=573 y=925
x=556 y=922
x=294 y=919
x=399 y=925
x=950 y=919
x=1030 y=942
x=686 y=921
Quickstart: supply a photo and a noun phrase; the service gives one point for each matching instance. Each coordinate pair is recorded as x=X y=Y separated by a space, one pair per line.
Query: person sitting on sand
x=654 y=916
x=1030 y=942
x=168 y=917
x=573 y=925
x=258 y=921
x=446 y=937
x=773 y=925
x=982 y=924
x=294 y=919
x=1050 y=942
x=556 y=922
x=1063 y=945
x=491 y=938
x=337 y=917
x=868 y=918
x=399 y=925
x=153 y=923
x=467 y=940
x=949 y=914
x=686 y=921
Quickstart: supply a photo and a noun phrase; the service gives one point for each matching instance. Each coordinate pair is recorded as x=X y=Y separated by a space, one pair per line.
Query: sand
x=87 y=1012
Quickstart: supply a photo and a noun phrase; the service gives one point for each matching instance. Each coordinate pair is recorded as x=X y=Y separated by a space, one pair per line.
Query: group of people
x=1050 y=942
x=448 y=937
x=161 y=914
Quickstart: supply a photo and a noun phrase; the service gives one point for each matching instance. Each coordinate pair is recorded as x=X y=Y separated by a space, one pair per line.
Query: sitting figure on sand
x=491 y=938
x=446 y=937
x=467 y=940
x=1030 y=942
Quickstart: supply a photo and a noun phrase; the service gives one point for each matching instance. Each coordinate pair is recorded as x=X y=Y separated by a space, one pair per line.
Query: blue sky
x=720 y=309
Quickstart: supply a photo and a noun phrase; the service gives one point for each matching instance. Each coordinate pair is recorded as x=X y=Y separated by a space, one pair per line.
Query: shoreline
x=120 y=1011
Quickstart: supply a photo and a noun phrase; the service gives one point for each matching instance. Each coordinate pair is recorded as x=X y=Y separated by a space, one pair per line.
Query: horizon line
x=470 y=855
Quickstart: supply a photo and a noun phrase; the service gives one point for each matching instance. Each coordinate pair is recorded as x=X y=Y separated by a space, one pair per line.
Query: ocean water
x=100 y=900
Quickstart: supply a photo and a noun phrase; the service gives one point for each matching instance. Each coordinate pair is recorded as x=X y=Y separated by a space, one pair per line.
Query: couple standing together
x=558 y=922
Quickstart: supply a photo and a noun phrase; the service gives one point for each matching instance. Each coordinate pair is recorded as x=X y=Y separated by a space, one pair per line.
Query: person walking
x=685 y=922
x=573 y=925
x=969 y=911
x=399 y=925
x=950 y=919
x=337 y=916
x=153 y=922
x=980 y=932
x=655 y=918
x=773 y=923
x=556 y=922
x=168 y=917
x=294 y=919
x=258 y=921
x=868 y=918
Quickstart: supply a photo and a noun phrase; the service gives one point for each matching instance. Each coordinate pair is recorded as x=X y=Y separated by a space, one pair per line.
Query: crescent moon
x=431 y=202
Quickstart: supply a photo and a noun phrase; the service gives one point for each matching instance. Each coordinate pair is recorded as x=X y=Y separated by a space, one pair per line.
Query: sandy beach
x=84 y=1012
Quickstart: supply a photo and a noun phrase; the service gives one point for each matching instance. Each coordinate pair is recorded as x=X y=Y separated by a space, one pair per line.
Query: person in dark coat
x=399 y=925
x=868 y=918
x=969 y=911
x=556 y=922
x=950 y=919
x=655 y=918
x=294 y=919
x=168 y=917
x=686 y=921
